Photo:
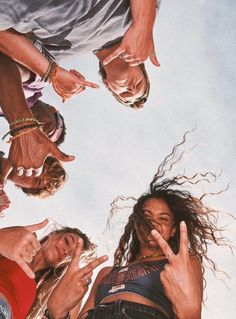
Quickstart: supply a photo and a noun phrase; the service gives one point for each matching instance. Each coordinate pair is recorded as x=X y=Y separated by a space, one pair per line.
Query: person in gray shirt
x=119 y=32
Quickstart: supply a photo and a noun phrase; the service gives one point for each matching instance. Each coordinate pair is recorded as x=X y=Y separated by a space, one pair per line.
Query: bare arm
x=20 y=49
x=90 y=302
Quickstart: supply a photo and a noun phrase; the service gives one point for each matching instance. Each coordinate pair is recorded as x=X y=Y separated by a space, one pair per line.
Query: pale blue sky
x=118 y=149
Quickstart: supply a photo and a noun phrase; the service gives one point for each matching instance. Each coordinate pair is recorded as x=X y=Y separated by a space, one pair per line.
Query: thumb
x=76 y=256
x=34 y=227
x=59 y=155
x=113 y=55
x=6 y=170
x=153 y=58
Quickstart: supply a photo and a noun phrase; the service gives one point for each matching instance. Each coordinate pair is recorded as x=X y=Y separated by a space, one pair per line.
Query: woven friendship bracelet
x=50 y=73
x=21 y=133
x=24 y=119
x=21 y=128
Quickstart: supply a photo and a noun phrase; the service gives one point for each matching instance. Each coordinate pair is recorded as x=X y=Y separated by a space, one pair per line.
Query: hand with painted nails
x=70 y=83
x=73 y=285
x=181 y=277
x=19 y=244
x=28 y=153
x=135 y=48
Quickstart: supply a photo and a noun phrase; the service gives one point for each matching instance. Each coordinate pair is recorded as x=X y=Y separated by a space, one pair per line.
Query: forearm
x=12 y=99
x=19 y=48
x=143 y=13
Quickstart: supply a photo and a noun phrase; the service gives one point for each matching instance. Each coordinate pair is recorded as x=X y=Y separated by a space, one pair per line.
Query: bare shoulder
x=103 y=272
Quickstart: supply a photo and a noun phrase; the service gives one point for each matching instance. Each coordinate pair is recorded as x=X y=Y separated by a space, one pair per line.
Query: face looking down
x=128 y=83
x=57 y=247
x=158 y=213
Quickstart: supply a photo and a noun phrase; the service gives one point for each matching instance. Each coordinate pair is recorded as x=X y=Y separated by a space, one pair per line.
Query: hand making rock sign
x=181 y=277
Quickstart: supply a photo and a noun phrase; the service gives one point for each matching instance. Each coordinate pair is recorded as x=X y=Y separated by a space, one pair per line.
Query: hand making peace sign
x=73 y=286
x=181 y=277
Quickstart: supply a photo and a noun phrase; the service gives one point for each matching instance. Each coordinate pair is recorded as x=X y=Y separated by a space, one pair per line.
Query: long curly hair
x=200 y=219
x=47 y=279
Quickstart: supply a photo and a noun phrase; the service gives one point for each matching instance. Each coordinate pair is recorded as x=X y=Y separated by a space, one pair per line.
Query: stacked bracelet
x=16 y=131
x=50 y=73
x=24 y=119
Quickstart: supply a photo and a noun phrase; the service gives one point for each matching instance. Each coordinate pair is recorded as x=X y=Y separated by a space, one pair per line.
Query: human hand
x=181 y=277
x=28 y=153
x=69 y=83
x=73 y=285
x=4 y=199
x=136 y=47
x=19 y=244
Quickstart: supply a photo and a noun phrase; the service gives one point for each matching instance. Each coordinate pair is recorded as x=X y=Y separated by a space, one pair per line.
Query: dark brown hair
x=200 y=219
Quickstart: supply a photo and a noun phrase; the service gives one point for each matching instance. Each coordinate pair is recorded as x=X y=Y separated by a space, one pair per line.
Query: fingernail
x=183 y=224
x=105 y=257
x=154 y=232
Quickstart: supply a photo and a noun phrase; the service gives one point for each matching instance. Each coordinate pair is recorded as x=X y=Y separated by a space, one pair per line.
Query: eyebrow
x=161 y=213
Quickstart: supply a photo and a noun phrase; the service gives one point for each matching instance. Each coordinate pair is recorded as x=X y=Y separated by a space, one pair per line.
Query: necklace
x=139 y=258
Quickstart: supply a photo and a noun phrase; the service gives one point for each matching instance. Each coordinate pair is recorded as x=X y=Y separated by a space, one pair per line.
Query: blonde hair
x=47 y=279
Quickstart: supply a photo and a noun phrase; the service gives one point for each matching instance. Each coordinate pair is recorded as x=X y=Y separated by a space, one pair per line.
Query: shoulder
x=102 y=273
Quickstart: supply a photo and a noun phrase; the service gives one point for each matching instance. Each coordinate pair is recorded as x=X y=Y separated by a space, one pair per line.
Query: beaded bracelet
x=24 y=119
x=51 y=70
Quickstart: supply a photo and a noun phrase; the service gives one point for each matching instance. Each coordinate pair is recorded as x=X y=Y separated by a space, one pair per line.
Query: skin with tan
x=186 y=269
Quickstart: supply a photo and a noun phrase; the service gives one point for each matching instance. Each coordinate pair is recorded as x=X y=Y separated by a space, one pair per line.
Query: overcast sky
x=118 y=149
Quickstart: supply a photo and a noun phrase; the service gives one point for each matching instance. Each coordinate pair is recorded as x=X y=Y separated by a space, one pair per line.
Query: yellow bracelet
x=25 y=119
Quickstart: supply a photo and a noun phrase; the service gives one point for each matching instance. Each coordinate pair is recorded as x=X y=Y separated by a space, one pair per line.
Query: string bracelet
x=50 y=73
x=24 y=119
x=22 y=133
x=18 y=129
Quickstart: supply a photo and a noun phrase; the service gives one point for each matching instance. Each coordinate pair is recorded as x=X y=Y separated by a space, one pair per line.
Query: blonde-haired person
x=24 y=295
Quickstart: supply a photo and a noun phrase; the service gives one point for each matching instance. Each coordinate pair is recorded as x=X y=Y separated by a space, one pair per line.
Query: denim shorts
x=5 y=312
x=122 y=309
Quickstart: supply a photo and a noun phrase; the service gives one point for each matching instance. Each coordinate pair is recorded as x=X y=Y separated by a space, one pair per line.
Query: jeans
x=5 y=312
x=122 y=309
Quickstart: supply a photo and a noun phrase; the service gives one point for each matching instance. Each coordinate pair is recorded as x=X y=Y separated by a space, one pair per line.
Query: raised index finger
x=167 y=251
x=88 y=84
x=92 y=265
x=183 y=246
x=76 y=256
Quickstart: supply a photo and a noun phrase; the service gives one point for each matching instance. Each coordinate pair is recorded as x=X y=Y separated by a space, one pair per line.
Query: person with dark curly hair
x=159 y=263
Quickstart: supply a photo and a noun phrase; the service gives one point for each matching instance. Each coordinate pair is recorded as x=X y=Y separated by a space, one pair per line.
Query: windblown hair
x=138 y=104
x=47 y=279
x=53 y=180
x=201 y=220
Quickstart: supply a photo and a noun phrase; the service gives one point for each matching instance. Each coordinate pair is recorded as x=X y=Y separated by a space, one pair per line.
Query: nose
x=132 y=88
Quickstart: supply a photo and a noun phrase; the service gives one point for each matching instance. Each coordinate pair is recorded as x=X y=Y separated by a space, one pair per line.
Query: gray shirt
x=68 y=27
